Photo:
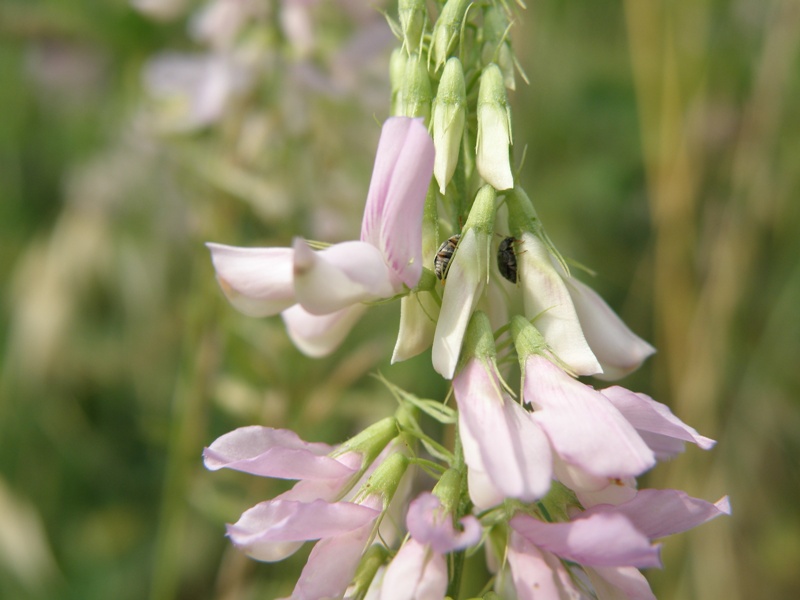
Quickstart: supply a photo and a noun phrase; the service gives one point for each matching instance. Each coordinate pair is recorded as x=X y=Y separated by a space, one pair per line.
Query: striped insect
x=441 y=262
x=507 y=259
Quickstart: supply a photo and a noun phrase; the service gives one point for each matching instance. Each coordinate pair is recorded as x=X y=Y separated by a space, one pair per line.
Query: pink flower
x=324 y=290
x=610 y=542
x=592 y=440
x=419 y=570
x=505 y=449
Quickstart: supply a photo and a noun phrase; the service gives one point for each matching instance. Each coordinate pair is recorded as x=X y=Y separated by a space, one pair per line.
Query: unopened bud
x=413 y=14
x=416 y=93
x=449 y=118
x=496 y=47
x=397 y=75
x=447 y=31
x=494 y=130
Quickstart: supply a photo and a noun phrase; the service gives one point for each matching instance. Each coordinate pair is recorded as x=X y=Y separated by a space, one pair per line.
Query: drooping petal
x=418 y=314
x=393 y=213
x=537 y=574
x=659 y=513
x=276 y=453
x=416 y=573
x=339 y=276
x=548 y=301
x=655 y=422
x=616 y=347
x=334 y=560
x=257 y=281
x=465 y=282
x=287 y=521
x=619 y=583
x=604 y=540
x=319 y=335
x=429 y=523
x=616 y=492
x=513 y=450
x=583 y=426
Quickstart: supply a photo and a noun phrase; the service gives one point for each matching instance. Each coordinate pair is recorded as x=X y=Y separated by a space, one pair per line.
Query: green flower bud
x=416 y=93
x=447 y=31
x=449 y=118
x=413 y=15
x=496 y=47
x=397 y=75
x=494 y=130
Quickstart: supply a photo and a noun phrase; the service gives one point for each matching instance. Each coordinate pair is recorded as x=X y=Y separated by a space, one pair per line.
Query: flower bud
x=416 y=93
x=412 y=15
x=397 y=73
x=494 y=130
x=447 y=30
x=449 y=118
x=496 y=47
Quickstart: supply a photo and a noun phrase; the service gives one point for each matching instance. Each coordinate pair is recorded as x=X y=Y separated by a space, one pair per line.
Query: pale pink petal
x=464 y=286
x=273 y=453
x=616 y=347
x=339 y=276
x=584 y=428
x=415 y=573
x=662 y=430
x=257 y=281
x=514 y=451
x=482 y=490
x=548 y=302
x=400 y=178
x=287 y=521
x=429 y=523
x=604 y=539
x=619 y=583
x=334 y=560
x=616 y=492
x=659 y=513
x=319 y=335
x=418 y=315
x=537 y=574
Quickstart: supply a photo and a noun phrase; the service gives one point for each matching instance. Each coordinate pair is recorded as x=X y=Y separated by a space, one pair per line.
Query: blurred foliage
x=662 y=152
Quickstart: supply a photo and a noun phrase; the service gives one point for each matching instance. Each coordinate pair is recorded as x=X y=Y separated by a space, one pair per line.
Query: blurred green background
x=663 y=152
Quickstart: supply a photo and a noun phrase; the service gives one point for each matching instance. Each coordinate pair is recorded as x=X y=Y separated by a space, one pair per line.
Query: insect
x=507 y=259
x=441 y=262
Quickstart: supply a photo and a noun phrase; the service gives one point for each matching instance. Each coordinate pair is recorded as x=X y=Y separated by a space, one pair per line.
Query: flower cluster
x=542 y=475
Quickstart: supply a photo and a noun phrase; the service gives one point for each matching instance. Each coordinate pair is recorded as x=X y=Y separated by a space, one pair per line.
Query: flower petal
x=276 y=453
x=287 y=521
x=656 y=419
x=319 y=335
x=513 y=450
x=604 y=540
x=393 y=213
x=334 y=560
x=465 y=282
x=537 y=574
x=619 y=583
x=257 y=281
x=547 y=300
x=429 y=523
x=659 y=513
x=418 y=314
x=616 y=347
x=415 y=573
x=583 y=426
x=339 y=276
